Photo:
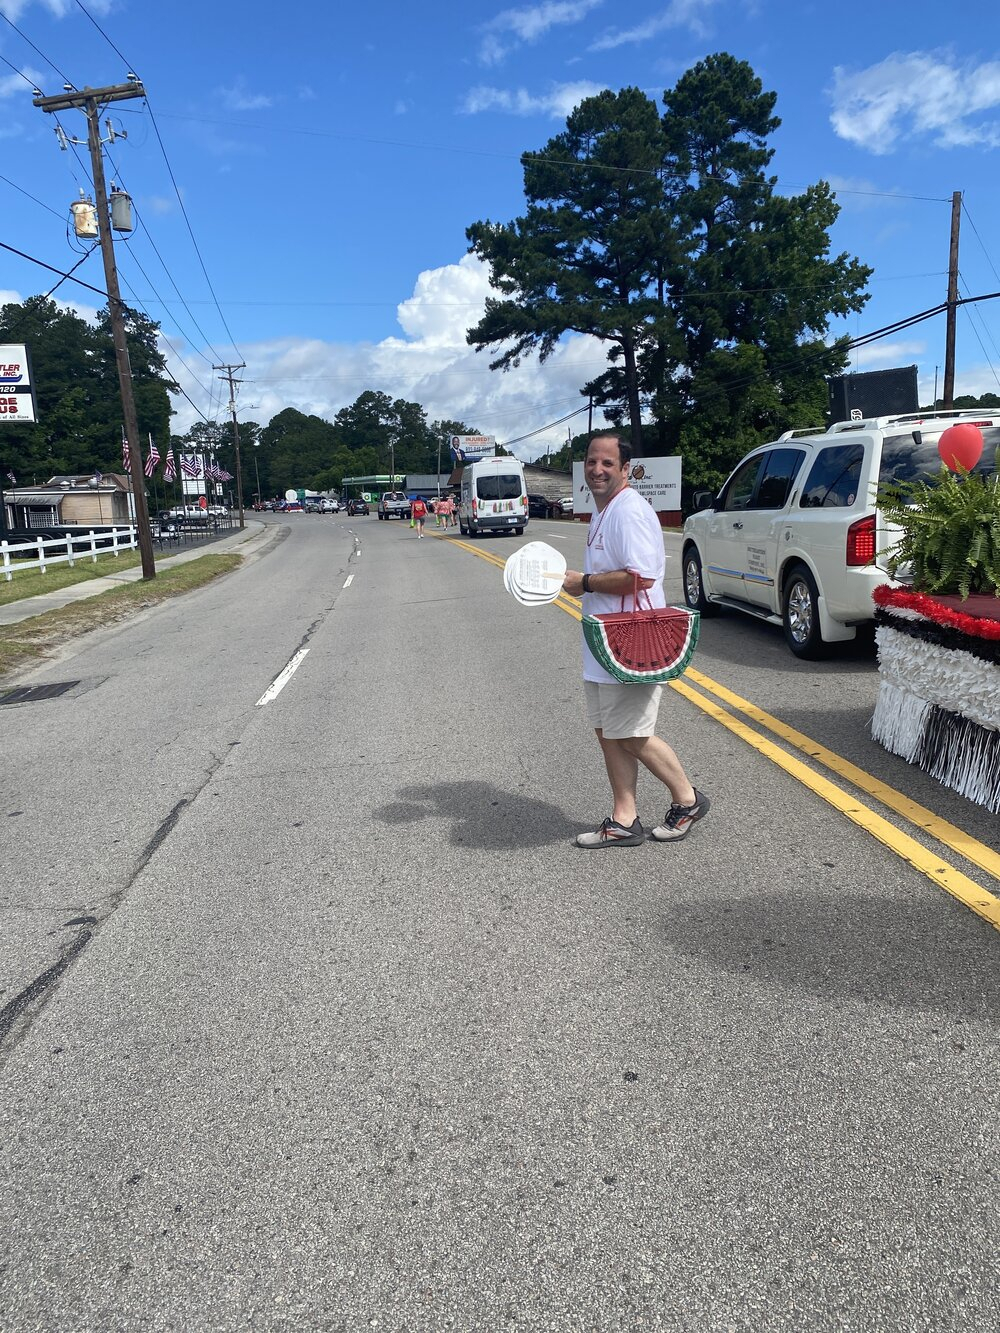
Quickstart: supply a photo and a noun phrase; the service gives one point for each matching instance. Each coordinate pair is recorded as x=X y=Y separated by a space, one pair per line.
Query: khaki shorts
x=621 y=711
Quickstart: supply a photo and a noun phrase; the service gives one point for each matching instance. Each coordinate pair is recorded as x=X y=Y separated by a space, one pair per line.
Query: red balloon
x=961 y=446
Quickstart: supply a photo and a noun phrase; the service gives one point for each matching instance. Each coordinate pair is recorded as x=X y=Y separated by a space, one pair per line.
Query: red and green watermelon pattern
x=643 y=647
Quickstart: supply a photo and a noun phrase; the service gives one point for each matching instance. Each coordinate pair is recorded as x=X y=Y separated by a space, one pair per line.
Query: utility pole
x=228 y=376
x=948 y=396
x=90 y=101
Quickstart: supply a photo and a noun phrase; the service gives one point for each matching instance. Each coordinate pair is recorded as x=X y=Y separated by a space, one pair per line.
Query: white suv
x=795 y=536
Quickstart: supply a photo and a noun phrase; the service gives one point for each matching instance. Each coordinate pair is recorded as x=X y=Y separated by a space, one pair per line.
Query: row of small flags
x=191 y=464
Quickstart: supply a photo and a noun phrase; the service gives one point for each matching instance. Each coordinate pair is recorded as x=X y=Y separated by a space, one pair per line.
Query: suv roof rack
x=801 y=430
x=915 y=418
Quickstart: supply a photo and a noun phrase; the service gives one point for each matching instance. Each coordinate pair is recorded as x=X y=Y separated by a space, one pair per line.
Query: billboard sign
x=657 y=480
x=17 y=396
x=466 y=448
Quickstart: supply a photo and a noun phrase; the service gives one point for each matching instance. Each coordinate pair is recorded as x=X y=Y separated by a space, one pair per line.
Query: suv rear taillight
x=861 y=541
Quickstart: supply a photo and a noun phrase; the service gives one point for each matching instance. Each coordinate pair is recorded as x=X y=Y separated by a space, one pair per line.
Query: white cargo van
x=493 y=497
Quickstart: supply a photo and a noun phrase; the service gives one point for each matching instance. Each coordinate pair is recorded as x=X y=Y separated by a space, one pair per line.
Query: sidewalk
x=15 y=612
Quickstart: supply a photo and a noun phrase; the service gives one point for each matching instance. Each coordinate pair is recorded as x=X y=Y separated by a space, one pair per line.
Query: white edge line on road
x=282 y=679
x=349 y=580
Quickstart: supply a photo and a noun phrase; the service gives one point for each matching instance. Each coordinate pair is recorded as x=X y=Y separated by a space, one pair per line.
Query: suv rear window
x=914 y=456
x=833 y=480
x=502 y=486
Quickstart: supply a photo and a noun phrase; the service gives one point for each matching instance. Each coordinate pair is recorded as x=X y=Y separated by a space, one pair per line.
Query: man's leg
x=656 y=755
x=623 y=774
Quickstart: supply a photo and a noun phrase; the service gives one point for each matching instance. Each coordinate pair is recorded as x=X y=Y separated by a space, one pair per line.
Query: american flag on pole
x=168 y=466
x=98 y=476
x=126 y=454
x=12 y=478
x=191 y=465
x=153 y=459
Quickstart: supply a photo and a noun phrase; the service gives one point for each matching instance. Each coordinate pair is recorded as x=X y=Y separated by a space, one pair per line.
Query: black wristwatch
x=586 y=583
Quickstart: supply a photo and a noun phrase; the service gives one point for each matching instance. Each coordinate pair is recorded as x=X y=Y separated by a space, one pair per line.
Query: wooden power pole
x=948 y=397
x=90 y=101
x=228 y=377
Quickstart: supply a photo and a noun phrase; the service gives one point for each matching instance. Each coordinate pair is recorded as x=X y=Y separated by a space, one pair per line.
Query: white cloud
x=238 y=98
x=689 y=14
x=887 y=354
x=17 y=85
x=912 y=95
x=513 y=27
x=431 y=363
x=558 y=102
x=13 y=9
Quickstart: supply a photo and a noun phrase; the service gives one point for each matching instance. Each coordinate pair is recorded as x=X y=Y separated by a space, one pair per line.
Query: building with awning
x=85 y=500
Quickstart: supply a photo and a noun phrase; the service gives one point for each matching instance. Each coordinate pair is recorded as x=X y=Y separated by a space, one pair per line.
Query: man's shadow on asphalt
x=481 y=815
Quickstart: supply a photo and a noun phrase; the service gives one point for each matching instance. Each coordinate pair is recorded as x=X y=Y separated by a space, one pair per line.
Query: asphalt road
x=315 y=1018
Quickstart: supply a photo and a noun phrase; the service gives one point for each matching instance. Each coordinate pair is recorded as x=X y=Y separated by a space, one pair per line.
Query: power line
x=14 y=186
x=110 y=43
x=514 y=157
x=973 y=316
x=187 y=220
x=25 y=38
x=163 y=265
x=41 y=263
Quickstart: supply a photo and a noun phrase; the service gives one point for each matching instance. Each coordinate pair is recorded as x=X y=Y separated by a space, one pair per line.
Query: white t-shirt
x=626 y=534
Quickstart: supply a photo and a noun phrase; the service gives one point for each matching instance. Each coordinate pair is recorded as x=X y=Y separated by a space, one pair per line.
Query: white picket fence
x=64 y=550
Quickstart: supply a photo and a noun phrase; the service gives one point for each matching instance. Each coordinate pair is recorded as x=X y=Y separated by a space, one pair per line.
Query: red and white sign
x=17 y=397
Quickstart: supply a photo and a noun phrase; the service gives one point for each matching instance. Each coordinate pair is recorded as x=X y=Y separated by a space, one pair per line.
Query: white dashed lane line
x=349 y=580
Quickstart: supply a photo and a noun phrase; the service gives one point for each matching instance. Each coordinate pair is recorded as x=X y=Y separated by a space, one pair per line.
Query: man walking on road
x=418 y=512
x=624 y=539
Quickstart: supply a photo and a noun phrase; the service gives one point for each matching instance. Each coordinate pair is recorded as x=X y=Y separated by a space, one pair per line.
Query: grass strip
x=31 y=582
x=34 y=639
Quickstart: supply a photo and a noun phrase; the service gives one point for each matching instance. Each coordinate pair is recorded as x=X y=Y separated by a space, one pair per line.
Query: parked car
x=566 y=504
x=539 y=506
x=795 y=537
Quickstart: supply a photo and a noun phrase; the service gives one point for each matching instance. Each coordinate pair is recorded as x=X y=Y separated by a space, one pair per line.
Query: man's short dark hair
x=623 y=442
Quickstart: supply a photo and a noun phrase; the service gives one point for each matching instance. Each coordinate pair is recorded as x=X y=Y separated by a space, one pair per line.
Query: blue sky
x=330 y=156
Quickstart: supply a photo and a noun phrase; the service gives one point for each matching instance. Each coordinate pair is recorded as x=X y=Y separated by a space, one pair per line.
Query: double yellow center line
x=710 y=697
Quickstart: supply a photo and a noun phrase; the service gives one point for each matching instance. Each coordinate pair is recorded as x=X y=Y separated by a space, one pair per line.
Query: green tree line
x=79 y=415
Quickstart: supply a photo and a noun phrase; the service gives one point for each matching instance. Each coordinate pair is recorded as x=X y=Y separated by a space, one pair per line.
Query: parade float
x=938 y=633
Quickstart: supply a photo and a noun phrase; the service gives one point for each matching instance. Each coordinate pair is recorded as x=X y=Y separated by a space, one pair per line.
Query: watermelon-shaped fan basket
x=645 y=646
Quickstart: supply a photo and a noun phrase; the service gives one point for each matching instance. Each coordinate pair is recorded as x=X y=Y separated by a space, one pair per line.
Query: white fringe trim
x=899 y=719
x=956 y=751
x=964 y=757
x=948 y=677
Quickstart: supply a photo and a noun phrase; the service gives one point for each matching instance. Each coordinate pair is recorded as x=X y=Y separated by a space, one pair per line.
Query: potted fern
x=938 y=630
x=950 y=533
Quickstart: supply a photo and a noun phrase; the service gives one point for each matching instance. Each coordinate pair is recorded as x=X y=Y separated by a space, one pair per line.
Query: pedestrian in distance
x=624 y=539
x=418 y=512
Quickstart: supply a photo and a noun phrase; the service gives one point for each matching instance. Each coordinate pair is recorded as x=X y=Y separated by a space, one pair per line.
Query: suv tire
x=800 y=614
x=694 y=584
